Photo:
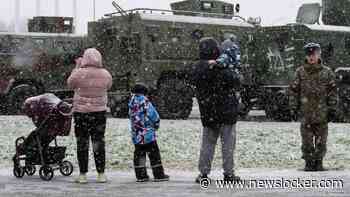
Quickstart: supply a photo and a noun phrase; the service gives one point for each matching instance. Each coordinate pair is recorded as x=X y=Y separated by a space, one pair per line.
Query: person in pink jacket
x=90 y=82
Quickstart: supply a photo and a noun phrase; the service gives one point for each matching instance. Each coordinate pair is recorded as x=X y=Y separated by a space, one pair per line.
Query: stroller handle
x=65 y=108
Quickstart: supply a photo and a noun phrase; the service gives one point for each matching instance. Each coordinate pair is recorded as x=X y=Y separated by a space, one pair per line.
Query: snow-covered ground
x=259 y=144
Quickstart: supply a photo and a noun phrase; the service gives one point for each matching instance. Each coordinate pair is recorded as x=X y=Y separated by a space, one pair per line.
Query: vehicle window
x=60 y=44
x=281 y=40
x=327 y=52
x=347 y=44
x=228 y=9
x=39 y=43
x=207 y=5
x=2 y=46
x=16 y=45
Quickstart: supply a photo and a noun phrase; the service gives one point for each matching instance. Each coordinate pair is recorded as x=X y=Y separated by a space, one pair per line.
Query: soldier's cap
x=311 y=48
x=140 y=88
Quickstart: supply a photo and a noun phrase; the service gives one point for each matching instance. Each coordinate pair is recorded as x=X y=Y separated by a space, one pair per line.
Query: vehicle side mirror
x=237 y=8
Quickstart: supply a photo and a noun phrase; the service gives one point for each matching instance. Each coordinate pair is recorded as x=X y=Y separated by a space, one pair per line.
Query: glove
x=332 y=115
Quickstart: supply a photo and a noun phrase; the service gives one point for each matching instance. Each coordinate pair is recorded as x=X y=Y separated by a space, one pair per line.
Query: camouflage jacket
x=313 y=92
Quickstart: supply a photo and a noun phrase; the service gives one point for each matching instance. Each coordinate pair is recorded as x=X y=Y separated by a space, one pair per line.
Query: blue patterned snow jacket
x=230 y=56
x=144 y=120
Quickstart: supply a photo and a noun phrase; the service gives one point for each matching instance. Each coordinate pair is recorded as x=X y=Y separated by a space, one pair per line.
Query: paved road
x=181 y=184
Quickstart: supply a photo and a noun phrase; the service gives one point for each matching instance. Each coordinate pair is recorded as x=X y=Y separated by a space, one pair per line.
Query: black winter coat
x=215 y=92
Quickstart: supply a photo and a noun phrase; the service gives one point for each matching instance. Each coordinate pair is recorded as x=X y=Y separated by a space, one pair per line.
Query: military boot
x=319 y=165
x=309 y=165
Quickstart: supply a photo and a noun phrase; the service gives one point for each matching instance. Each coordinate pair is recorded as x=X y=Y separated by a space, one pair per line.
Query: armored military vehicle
x=33 y=63
x=156 y=47
x=279 y=51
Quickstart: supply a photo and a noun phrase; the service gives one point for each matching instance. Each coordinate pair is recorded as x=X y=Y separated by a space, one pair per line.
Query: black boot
x=309 y=165
x=159 y=175
x=141 y=175
x=200 y=177
x=319 y=165
x=231 y=178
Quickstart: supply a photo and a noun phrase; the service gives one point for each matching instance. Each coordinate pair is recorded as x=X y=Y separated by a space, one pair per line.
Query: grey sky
x=271 y=11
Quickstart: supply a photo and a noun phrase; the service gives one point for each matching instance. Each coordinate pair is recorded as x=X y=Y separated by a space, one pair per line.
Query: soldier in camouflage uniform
x=313 y=93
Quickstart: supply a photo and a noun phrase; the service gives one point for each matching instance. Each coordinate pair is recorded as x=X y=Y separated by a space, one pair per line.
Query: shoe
x=319 y=165
x=200 y=177
x=309 y=166
x=141 y=175
x=162 y=178
x=82 y=179
x=142 y=179
x=231 y=178
x=101 y=178
x=159 y=175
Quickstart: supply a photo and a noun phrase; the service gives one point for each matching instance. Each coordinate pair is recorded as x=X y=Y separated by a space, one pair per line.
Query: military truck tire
x=277 y=114
x=174 y=99
x=120 y=110
x=18 y=95
x=277 y=108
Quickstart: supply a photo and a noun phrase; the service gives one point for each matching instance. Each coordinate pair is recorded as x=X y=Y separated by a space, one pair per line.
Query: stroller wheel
x=18 y=172
x=30 y=170
x=46 y=173
x=66 y=168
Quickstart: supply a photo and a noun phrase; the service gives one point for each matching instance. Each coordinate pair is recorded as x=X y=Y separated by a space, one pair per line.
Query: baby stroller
x=52 y=118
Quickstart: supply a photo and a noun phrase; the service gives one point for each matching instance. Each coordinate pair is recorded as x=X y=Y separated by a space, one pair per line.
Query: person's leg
x=209 y=139
x=156 y=162
x=82 y=137
x=321 y=145
x=98 y=122
x=228 y=143
x=307 y=147
x=140 y=163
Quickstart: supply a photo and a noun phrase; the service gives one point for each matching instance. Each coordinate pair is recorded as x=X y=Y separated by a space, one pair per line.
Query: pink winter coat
x=90 y=82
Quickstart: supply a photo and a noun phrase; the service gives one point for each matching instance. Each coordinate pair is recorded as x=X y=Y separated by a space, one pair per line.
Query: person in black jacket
x=218 y=105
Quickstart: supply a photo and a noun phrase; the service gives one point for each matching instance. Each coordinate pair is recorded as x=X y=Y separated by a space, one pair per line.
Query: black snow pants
x=90 y=125
x=152 y=150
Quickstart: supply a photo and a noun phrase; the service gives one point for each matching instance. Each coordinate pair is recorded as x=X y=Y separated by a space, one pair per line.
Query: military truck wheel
x=174 y=99
x=120 y=110
x=277 y=114
x=18 y=95
x=277 y=107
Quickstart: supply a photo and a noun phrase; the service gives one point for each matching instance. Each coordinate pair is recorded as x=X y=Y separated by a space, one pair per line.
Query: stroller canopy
x=40 y=105
x=48 y=109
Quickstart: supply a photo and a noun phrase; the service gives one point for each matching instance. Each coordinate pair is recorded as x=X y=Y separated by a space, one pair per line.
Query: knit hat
x=140 y=88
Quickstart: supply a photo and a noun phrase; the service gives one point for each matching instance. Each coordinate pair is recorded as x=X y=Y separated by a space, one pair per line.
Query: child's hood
x=138 y=99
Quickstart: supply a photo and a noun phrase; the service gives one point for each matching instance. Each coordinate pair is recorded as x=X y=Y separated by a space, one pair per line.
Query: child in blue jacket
x=144 y=121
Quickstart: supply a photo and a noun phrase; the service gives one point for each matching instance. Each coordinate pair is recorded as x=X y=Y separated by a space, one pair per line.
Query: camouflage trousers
x=314 y=140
